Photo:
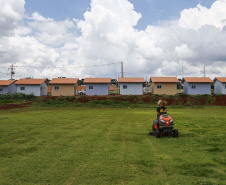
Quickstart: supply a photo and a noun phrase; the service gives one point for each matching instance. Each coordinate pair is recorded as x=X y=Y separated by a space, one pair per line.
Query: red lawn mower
x=164 y=127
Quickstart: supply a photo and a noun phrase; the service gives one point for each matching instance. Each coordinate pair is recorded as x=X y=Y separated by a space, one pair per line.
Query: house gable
x=64 y=86
x=7 y=86
x=131 y=86
x=220 y=85
x=164 y=85
x=97 y=86
x=37 y=87
x=197 y=85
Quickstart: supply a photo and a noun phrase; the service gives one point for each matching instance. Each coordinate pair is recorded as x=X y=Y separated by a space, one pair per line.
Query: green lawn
x=111 y=146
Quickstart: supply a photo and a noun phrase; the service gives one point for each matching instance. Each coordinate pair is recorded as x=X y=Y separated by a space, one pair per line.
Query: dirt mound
x=180 y=99
x=13 y=106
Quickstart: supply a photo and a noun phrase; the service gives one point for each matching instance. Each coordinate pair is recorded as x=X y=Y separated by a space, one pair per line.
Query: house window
x=90 y=86
x=56 y=88
x=225 y=86
x=22 y=88
x=124 y=87
x=1 y=89
x=193 y=86
x=159 y=86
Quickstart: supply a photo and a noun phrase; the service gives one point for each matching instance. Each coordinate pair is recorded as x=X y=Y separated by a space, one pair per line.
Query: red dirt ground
x=171 y=100
x=13 y=106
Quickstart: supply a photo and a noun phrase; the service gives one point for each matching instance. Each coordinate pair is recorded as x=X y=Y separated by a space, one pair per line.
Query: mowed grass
x=111 y=146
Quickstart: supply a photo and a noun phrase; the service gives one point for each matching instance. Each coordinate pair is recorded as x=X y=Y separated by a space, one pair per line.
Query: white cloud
x=11 y=16
x=37 y=17
x=199 y=16
x=108 y=35
x=54 y=32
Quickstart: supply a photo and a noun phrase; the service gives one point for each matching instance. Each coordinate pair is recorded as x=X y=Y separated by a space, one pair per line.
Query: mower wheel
x=157 y=133
x=153 y=127
x=175 y=133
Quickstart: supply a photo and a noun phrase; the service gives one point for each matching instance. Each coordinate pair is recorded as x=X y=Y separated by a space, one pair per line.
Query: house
x=64 y=86
x=131 y=86
x=37 y=87
x=220 y=85
x=164 y=85
x=97 y=86
x=7 y=86
x=197 y=85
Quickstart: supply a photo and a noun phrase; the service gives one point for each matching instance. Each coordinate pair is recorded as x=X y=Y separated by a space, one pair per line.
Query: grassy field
x=47 y=145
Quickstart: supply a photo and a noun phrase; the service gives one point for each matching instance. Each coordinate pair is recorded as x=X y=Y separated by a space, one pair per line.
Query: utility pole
x=182 y=69
x=122 y=69
x=12 y=71
x=204 y=71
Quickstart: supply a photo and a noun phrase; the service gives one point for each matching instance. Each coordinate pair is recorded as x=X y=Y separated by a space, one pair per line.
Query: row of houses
x=101 y=86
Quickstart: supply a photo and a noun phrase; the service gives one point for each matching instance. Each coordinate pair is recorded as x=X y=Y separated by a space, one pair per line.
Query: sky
x=93 y=38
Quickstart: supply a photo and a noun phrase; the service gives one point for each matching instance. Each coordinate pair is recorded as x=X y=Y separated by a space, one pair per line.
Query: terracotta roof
x=197 y=80
x=30 y=81
x=64 y=81
x=6 y=82
x=131 y=80
x=164 y=79
x=97 y=80
x=221 y=79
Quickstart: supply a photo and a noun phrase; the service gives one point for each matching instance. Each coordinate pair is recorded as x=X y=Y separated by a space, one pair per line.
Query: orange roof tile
x=221 y=79
x=97 y=80
x=30 y=81
x=6 y=82
x=164 y=79
x=130 y=80
x=197 y=80
x=64 y=81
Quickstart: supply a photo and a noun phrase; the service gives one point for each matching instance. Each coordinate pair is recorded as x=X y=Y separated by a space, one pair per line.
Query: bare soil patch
x=13 y=106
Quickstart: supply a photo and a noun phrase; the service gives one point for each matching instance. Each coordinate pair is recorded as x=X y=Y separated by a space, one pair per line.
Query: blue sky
x=58 y=9
x=152 y=11
x=79 y=38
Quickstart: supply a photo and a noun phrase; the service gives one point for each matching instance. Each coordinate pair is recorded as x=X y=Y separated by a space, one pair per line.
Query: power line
x=62 y=67
x=12 y=67
x=3 y=73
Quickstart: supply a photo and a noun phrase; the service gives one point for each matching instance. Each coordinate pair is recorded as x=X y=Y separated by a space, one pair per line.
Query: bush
x=210 y=100
x=18 y=96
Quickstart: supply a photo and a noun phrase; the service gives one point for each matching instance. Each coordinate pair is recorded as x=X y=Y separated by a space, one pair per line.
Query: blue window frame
x=57 y=88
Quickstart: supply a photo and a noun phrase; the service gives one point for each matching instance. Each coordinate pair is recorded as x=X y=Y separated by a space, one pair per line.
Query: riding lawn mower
x=164 y=127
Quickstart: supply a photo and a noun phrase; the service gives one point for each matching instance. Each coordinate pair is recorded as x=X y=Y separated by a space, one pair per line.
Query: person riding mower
x=164 y=125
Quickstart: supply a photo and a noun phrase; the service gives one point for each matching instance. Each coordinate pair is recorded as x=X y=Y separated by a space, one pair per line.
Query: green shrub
x=210 y=100
x=18 y=96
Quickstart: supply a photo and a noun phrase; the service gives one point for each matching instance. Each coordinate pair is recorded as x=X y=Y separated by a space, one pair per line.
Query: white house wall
x=219 y=88
x=98 y=89
x=43 y=92
x=201 y=88
x=132 y=89
x=33 y=89
x=223 y=88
